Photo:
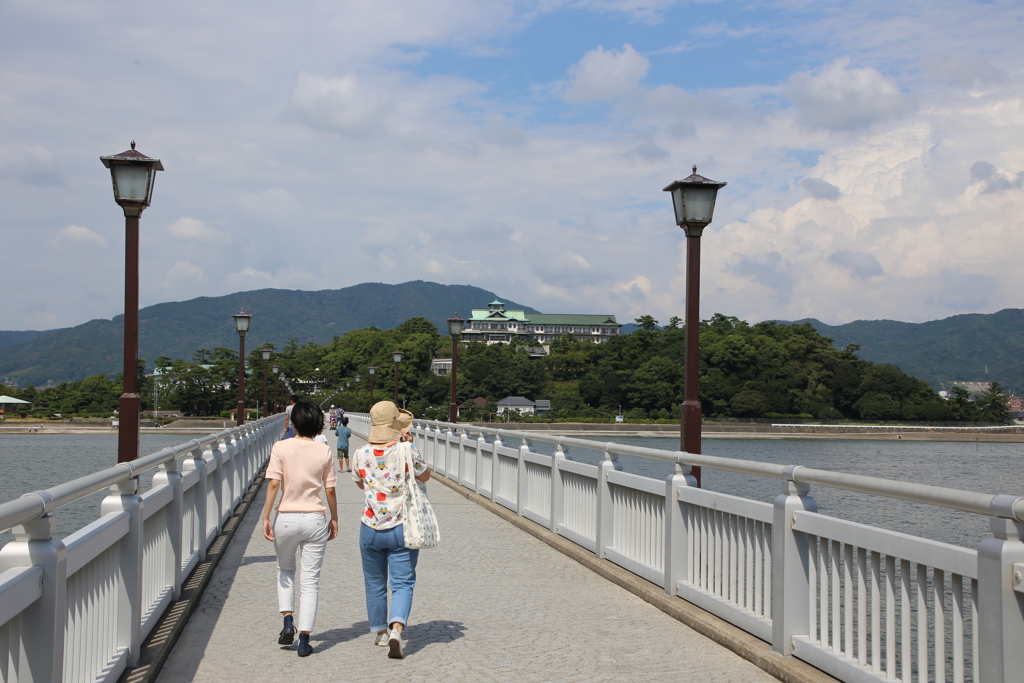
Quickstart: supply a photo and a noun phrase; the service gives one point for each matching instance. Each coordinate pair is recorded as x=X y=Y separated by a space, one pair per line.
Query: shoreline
x=597 y=430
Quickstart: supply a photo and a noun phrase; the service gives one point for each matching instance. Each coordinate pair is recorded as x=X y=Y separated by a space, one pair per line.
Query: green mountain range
x=971 y=347
x=177 y=329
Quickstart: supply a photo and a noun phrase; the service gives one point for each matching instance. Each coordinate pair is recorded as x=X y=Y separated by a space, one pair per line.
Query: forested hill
x=178 y=329
x=971 y=347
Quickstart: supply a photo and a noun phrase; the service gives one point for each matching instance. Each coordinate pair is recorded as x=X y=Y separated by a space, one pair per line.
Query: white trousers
x=306 y=533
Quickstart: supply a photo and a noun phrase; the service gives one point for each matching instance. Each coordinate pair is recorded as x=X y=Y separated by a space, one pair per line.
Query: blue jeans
x=384 y=553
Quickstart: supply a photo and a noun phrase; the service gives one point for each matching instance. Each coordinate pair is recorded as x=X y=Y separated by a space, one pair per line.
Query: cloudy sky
x=874 y=152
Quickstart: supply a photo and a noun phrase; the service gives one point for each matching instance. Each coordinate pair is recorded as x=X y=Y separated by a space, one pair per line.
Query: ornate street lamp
x=132 y=174
x=274 y=369
x=455 y=325
x=348 y=387
x=357 y=378
x=396 y=356
x=242 y=320
x=265 y=352
x=694 y=201
x=373 y=371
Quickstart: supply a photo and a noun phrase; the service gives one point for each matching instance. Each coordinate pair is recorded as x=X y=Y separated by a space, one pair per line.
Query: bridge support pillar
x=790 y=571
x=196 y=460
x=124 y=497
x=677 y=541
x=1000 y=607
x=42 y=623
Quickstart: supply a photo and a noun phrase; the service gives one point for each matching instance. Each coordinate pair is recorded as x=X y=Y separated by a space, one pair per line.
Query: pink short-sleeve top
x=303 y=467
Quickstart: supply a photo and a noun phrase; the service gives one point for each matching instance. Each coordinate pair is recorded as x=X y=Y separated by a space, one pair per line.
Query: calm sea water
x=31 y=462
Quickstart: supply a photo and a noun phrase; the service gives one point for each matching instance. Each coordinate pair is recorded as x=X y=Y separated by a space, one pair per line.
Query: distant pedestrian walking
x=343 y=432
x=289 y=432
x=381 y=471
x=299 y=469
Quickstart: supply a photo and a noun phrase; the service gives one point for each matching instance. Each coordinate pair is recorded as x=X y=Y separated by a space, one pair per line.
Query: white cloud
x=838 y=97
x=606 y=75
x=183 y=270
x=76 y=237
x=194 y=230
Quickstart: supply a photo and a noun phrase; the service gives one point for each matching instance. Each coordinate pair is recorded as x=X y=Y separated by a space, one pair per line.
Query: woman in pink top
x=299 y=468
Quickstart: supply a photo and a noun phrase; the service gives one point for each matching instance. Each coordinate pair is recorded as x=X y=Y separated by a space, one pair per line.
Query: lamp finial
x=695 y=169
x=133 y=145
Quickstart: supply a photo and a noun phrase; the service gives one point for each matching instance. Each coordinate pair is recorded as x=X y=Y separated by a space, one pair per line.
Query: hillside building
x=523 y=406
x=495 y=325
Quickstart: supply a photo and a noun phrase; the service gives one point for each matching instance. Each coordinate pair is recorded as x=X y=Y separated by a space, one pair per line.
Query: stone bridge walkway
x=492 y=603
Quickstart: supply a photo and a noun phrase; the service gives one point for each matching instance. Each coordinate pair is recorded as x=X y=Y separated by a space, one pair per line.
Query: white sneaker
x=395 y=645
x=381 y=639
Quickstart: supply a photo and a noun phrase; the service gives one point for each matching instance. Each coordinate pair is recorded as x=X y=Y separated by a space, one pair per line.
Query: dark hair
x=308 y=419
x=294 y=398
x=344 y=420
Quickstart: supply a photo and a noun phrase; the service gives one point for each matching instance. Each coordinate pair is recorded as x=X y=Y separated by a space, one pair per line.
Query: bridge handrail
x=994 y=505
x=35 y=504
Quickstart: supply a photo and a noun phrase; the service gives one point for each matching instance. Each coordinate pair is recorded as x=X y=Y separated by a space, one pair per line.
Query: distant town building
x=1015 y=404
x=496 y=325
x=523 y=406
x=974 y=388
x=441 y=366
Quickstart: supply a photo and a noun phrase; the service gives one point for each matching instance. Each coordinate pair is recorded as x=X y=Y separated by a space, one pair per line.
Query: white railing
x=859 y=602
x=78 y=609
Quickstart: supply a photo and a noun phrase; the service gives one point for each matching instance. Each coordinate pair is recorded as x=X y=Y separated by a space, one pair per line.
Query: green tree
x=992 y=404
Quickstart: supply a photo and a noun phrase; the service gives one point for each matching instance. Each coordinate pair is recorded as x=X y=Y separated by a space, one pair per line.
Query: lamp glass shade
x=397 y=356
x=242 y=322
x=274 y=368
x=699 y=203
x=265 y=353
x=131 y=182
x=372 y=370
x=455 y=325
x=357 y=378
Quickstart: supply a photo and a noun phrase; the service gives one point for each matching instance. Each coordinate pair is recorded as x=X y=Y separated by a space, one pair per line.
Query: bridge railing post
x=196 y=460
x=677 y=531
x=124 y=497
x=605 y=510
x=481 y=442
x=234 y=448
x=790 y=570
x=495 y=469
x=168 y=475
x=521 y=482
x=41 y=641
x=225 y=471
x=464 y=464
x=557 y=513
x=1001 y=602
x=214 y=491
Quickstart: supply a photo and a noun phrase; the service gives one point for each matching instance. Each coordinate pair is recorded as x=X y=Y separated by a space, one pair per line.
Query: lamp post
x=396 y=356
x=265 y=352
x=242 y=320
x=132 y=174
x=357 y=378
x=455 y=325
x=694 y=201
x=373 y=371
x=274 y=369
x=348 y=387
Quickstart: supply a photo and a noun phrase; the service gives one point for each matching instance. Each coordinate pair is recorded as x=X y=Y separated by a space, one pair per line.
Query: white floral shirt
x=384 y=475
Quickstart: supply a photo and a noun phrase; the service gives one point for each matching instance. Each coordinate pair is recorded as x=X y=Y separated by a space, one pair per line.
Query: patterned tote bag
x=421 y=529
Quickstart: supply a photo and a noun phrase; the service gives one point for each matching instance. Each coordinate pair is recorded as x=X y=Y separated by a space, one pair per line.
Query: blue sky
x=873 y=150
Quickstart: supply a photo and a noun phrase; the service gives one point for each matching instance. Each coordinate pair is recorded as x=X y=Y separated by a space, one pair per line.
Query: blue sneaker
x=287 y=634
x=305 y=649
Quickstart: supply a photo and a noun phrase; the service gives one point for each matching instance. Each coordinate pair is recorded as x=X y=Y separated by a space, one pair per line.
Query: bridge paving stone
x=492 y=603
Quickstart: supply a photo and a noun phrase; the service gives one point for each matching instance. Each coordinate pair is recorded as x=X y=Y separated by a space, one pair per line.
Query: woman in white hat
x=379 y=469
